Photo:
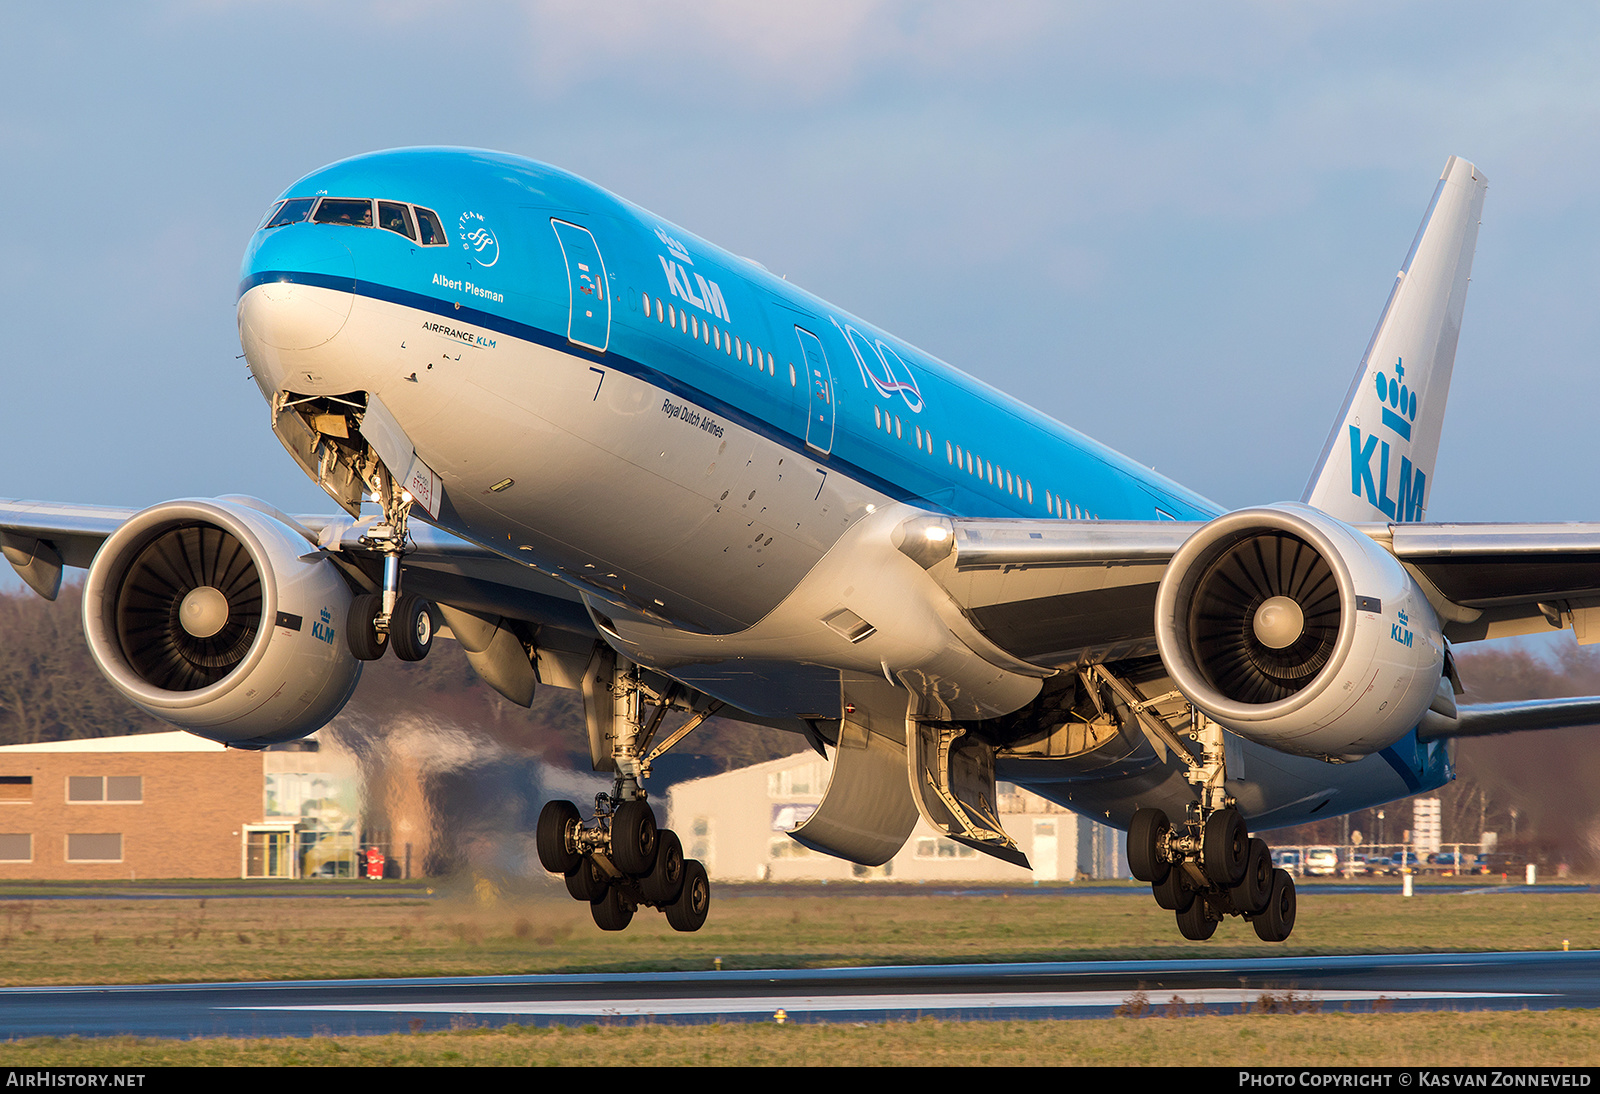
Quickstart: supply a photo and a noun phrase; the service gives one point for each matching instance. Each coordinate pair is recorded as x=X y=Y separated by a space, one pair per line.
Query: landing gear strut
x=380 y=620
x=1207 y=866
x=623 y=861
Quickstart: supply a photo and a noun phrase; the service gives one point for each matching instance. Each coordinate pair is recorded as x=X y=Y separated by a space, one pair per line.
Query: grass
x=155 y=932
x=1517 y=1039
x=362 y=929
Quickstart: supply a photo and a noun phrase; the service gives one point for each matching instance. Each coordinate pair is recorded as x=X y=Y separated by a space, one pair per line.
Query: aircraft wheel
x=1250 y=895
x=662 y=884
x=555 y=821
x=411 y=628
x=610 y=913
x=1195 y=922
x=586 y=881
x=1226 y=849
x=1276 y=922
x=360 y=627
x=633 y=838
x=688 y=912
x=1144 y=846
x=1173 y=892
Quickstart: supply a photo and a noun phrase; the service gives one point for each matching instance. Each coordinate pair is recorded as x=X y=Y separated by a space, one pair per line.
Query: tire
x=662 y=885
x=610 y=913
x=555 y=821
x=1276 y=921
x=411 y=628
x=360 y=630
x=1250 y=895
x=688 y=912
x=1173 y=892
x=586 y=882
x=1227 y=848
x=1195 y=922
x=633 y=838
x=1144 y=846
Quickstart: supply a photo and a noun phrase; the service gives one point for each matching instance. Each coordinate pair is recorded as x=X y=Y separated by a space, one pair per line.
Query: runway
x=1491 y=981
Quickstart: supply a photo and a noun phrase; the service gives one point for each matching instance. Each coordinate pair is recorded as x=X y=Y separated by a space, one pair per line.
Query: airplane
x=603 y=454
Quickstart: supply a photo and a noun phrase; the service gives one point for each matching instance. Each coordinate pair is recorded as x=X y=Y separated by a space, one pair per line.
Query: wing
x=1063 y=593
x=491 y=604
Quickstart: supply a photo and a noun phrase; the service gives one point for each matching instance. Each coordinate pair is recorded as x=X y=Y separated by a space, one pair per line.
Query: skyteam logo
x=877 y=362
x=1398 y=406
x=478 y=239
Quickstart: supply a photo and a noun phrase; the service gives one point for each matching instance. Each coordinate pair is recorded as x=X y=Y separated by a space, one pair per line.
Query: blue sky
x=1171 y=226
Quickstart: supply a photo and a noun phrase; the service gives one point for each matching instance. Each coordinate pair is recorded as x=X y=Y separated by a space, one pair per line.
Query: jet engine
x=221 y=618
x=1298 y=632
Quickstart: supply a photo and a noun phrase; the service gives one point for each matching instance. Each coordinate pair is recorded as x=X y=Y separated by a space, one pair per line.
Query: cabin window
x=430 y=231
x=877 y=418
x=1030 y=493
x=949 y=452
x=661 y=314
x=791 y=370
x=292 y=211
x=917 y=429
x=647 y=305
x=394 y=217
x=738 y=349
x=356 y=212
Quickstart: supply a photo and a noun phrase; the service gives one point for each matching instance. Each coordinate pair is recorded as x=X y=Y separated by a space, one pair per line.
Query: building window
x=16 y=847
x=16 y=788
x=105 y=788
x=94 y=847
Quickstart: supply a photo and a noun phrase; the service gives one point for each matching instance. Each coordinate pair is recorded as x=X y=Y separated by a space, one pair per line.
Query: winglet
x=1378 y=462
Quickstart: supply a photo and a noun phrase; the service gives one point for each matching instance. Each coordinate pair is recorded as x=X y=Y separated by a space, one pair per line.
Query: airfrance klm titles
x=459 y=335
x=1399 y=410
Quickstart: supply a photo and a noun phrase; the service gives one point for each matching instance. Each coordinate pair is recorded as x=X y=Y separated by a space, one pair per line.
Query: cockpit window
x=352 y=211
x=396 y=218
x=292 y=211
x=432 y=231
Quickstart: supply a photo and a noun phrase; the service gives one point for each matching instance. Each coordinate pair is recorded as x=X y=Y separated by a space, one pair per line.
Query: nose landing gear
x=380 y=620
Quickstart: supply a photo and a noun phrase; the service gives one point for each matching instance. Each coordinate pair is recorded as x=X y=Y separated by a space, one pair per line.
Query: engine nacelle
x=1299 y=632
x=221 y=619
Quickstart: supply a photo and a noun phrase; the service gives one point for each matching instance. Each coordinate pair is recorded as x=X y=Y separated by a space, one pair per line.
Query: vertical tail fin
x=1378 y=462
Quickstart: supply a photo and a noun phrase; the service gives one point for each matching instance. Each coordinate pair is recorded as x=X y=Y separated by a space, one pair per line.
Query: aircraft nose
x=297 y=288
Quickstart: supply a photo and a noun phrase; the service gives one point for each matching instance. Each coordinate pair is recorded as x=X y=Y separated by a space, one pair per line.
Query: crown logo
x=1399 y=402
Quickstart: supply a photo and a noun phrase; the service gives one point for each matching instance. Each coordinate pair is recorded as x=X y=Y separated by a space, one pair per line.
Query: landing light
x=937 y=533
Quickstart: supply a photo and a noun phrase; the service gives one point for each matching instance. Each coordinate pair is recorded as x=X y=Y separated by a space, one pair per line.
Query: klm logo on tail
x=1399 y=405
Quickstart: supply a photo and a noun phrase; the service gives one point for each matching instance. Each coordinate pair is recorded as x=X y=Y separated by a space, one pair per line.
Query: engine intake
x=1297 y=631
x=218 y=617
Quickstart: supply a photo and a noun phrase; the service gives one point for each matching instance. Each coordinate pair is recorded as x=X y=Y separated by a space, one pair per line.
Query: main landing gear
x=1205 y=870
x=1208 y=866
x=623 y=861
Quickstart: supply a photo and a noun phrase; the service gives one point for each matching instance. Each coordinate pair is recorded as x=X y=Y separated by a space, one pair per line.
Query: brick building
x=171 y=805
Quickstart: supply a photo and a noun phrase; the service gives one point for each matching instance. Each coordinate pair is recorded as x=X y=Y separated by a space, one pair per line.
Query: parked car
x=1287 y=860
x=1321 y=862
x=1403 y=862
